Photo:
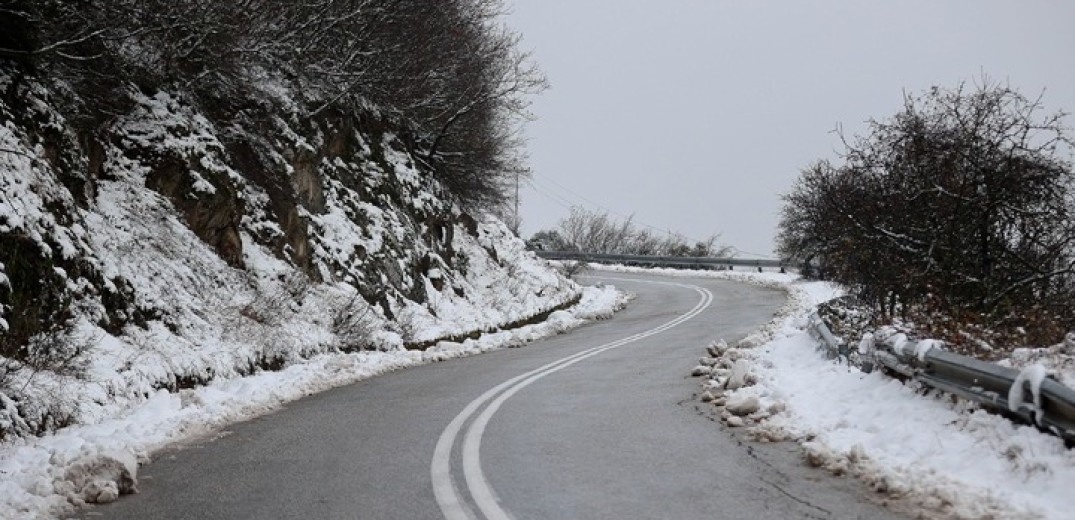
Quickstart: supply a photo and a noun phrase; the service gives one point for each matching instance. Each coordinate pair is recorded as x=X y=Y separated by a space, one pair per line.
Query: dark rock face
x=214 y=215
x=35 y=294
x=276 y=179
x=292 y=244
x=186 y=245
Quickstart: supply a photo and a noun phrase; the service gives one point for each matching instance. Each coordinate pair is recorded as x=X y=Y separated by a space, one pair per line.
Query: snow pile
x=1058 y=360
x=44 y=476
x=930 y=452
x=99 y=480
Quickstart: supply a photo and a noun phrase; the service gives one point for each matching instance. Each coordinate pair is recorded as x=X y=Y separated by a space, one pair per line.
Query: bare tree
x=961 y=202
x=591 y=232
x=448 y=73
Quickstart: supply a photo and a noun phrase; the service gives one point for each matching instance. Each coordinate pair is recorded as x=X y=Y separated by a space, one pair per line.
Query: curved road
x=598 y=423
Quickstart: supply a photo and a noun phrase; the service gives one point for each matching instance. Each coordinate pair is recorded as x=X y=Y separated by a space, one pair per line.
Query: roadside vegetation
x=590 y=232
x=448 y=71
x=955 y=217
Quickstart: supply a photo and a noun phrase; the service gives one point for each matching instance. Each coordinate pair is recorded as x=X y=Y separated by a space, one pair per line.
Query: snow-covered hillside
x=164 y=252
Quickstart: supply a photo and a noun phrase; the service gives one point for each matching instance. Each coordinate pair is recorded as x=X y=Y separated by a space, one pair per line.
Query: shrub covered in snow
x=956 y=211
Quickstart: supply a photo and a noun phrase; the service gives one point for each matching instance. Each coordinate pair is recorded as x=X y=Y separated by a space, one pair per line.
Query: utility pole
x=515 y=221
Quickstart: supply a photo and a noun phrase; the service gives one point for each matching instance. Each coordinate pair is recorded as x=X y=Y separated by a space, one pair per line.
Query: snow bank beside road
x=945 y=457
x=35 y=477
x=941 y=458
x=937 y=456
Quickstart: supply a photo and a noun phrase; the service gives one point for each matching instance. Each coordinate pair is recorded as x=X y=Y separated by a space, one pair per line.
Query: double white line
x=481 y=493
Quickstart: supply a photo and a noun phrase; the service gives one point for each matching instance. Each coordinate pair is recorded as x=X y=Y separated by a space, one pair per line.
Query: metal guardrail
x=1051 y=406
x=660 y=261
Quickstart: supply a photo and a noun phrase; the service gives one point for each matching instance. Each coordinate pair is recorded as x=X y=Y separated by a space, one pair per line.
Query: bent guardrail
x=1024 y=395
x=696 y=262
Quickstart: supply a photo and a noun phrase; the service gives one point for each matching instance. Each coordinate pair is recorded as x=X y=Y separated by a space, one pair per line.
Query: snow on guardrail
x=696 y=262
x=1026 y=396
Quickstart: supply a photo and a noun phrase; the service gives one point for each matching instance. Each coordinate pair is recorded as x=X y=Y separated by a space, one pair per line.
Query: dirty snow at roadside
x=923 y=451
x=33 y=479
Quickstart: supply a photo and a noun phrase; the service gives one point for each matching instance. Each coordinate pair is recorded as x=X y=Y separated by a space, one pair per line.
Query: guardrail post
x=866 y=353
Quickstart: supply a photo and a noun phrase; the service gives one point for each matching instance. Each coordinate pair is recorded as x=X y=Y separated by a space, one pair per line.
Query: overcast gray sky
x=696 y=115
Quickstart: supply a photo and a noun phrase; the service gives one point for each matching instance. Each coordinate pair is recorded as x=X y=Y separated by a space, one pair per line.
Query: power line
x=753 y=254
x=548 y=190
x=584 y=198
x=566 y=204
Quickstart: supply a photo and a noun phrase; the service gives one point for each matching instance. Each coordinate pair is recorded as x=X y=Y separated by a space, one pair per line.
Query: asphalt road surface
x=600 y=423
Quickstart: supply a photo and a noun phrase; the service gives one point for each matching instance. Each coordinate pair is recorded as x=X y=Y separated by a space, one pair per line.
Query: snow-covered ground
x=925 y=451
x=42 y=477
x=930 y=453
x=153 y=310
x=943 y=455
x=162 y=280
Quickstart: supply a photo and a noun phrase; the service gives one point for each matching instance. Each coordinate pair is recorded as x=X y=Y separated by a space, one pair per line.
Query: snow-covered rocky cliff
x=162 y=251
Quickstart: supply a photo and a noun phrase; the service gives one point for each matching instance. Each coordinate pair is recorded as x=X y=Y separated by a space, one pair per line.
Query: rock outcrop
x=166 y=248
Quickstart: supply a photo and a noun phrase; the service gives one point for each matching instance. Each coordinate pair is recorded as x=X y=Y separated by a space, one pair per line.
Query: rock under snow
x=739 y=376
x=100 y=480
x=742 y=405
x=717 y=349
x=777 y=407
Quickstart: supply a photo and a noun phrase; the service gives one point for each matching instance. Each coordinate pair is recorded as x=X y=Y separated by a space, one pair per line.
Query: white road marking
x=444 y=489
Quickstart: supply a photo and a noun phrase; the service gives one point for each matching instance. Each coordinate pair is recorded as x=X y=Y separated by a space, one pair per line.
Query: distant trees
x=449 y=70
x=592 y=232
x=962 y=204
x=547 y=240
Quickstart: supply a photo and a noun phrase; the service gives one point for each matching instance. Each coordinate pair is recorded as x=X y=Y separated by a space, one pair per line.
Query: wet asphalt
x=620 y=435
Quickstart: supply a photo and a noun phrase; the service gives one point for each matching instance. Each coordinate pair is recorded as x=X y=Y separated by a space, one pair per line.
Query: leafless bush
x=959 y=207
x=58 y=351
x=54 y=354
x=353 y=323
x=592 y=232
x=573 y=268
x=274 y=301
x=259 y=320
x=406 y=324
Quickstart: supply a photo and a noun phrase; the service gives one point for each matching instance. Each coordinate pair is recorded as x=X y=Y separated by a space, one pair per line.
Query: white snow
x=33 y=472
x=932 y=454
x=215 y=319
x=866 y=344
x=944 y=457
x=1034 y=375
x=923 y=347
x=948 y=458
x=210 y=328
